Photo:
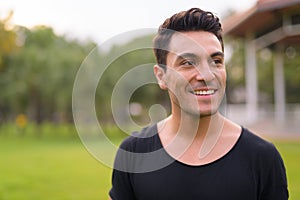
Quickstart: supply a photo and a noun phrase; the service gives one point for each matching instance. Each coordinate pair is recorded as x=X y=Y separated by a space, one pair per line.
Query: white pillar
x=251 y=81
x=279 y=85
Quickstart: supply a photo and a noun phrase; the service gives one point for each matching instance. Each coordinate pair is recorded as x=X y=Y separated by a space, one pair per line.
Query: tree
x=40 y=76
x=138 y=53
x=8 y=45
x=8 y=40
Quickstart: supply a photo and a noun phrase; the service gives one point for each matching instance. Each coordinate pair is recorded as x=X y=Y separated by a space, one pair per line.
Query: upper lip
x=203 y=89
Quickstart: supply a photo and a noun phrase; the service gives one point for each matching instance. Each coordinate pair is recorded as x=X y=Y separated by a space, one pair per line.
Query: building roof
x=262 y=18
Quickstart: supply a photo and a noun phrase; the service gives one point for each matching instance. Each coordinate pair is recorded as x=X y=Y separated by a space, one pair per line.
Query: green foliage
x=38 y=78
x=235 y=69
x=129 y=57
x=292 y=71
x=44 y=131
x=265 y=71
x=8 y=39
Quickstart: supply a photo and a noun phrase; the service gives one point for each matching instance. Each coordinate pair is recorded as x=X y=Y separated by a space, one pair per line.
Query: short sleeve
x=275 y=188
x=121 y=180
x=121 y=186
x=125 y=163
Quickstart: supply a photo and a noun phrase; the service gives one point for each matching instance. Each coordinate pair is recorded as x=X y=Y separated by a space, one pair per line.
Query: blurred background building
x=273 y=25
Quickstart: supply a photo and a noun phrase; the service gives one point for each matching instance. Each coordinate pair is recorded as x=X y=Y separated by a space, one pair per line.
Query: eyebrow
x=219 y=53
x=192 y=55
x=187 y=55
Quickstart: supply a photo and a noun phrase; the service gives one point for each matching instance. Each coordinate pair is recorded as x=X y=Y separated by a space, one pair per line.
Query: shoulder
x=260 y=155
x=269 y=166
x=257 y=146
x=255 y=140
x=142 y=141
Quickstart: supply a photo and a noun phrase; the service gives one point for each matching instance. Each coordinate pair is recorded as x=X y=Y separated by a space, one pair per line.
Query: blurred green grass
x=47 y=167
x=56 y=165
x=290 y=152
x=32 y=169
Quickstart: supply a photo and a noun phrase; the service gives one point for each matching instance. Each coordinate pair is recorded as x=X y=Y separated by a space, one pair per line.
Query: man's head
x=190 y=62
x=193 y=19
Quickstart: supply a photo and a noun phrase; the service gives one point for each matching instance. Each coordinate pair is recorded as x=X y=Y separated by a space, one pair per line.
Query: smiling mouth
x=203 y=92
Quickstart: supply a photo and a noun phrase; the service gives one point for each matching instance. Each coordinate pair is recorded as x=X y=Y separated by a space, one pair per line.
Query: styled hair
x=193 y=19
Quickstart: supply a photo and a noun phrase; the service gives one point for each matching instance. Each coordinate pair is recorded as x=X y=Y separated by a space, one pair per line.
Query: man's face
x=195 y=76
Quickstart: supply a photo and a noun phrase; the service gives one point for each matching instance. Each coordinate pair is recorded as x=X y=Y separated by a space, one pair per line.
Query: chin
x=207 y=114
x=201 y=113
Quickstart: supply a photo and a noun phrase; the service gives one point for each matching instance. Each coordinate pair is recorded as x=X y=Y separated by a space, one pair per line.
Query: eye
x=217 y=61
x=188 y=63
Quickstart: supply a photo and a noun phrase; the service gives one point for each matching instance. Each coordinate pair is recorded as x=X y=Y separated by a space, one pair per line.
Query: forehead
x=196 y=42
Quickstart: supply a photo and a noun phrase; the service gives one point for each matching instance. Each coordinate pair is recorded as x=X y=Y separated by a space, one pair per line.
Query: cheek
x=225 y=77
x=176 y=80
x=222 y=76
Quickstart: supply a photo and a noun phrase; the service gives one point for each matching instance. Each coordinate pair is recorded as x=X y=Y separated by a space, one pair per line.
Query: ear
x=160 y=77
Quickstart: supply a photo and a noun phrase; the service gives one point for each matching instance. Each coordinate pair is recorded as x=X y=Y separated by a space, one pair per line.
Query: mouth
x=204 y=92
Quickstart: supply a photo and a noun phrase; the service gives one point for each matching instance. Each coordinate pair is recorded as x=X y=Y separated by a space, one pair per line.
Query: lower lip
x=204 y=96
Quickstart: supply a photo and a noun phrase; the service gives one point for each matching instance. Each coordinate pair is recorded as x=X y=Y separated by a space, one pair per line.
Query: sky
x=101 y=20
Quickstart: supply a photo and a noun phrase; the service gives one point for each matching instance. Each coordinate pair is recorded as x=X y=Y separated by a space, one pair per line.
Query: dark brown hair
x=193 y=19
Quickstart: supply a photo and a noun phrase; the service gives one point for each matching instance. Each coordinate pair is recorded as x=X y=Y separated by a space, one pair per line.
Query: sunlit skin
x=195 y=63
x=196 y=80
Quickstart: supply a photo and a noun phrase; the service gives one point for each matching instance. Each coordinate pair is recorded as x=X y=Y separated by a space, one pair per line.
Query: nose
x=204 y=73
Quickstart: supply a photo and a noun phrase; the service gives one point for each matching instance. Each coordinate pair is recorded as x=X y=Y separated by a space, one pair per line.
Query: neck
x=183 y=130
x=199 y=125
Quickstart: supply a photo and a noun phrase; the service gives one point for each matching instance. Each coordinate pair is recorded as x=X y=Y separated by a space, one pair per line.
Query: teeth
x=204 y=92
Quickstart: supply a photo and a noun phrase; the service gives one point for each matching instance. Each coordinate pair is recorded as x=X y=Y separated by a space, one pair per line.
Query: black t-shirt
x=251 y=170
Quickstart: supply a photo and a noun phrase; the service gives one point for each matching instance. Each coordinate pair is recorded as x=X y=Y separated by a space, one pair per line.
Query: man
x=195 y=153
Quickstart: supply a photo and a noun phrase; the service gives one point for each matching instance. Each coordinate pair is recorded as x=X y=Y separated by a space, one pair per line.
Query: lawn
x=290 y=151
x=41 y=169
x=62 y=169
